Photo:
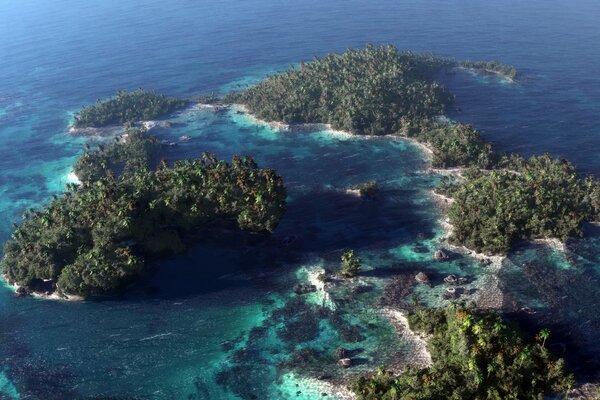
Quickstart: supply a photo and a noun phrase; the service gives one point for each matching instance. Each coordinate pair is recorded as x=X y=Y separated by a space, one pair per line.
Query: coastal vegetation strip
x=490 y=66
x=127 y=108
x=521 y=199
x=474 y=356
x=95 y=237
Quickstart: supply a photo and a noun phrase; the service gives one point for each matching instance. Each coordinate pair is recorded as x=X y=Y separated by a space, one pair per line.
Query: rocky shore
x=47 y=295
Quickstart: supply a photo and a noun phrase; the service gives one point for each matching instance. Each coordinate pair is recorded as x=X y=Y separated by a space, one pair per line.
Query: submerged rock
x=395 y=292
x=362 y=289
x=420 y=249
x=440 y=255
x=421 y=277
x=304 y=288
x=345 y=362
x=22 y=292
x=451 y=279
x=342 y=353
x=450 y=293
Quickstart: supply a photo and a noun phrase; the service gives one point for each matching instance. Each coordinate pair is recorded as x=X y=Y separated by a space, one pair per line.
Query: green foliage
x=350 y=264
x=474 y=356
x=92 y=240
x=364 y=91
x=491 y=66
x=134 y=150
x=376 y=90
x=127 y=107
x=453 y=144
x=543 y=336
x=539 y=197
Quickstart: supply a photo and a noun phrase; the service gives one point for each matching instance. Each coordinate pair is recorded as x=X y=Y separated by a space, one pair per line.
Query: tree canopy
x=377 y=90
x=134 y=149
x=475 y=356
x=539 y=197
x=380 y=90
x=364 y=91
x=452 y=144
x=93 y=239
x=127 y=107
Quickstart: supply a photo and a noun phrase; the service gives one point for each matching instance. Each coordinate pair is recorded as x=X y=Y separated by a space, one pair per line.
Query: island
x=497 y=199
x=127 y=108
x=520 y=199
x=97 y=236
x=474 y=355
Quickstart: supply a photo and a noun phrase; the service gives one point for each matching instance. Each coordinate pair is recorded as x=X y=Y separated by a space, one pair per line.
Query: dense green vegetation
x=380 y=90
x=539 y=197
x=452 y=144
x=364 y=91
x=127 y=107
x=350 y=263
x=133 y=150
x=491 y=66
x=474 y=356
x=93 y=239
x=376 y=90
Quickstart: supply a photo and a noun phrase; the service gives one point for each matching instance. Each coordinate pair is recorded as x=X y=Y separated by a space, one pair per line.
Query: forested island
x=520 y=199
x=380 y=90
x=474 y=356
x=127 y=108
x=498 y=200
x=94 y=239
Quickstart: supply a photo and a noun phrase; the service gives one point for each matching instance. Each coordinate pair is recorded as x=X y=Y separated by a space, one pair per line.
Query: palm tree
x=544 y=335
x=523 y=355
x=491 y=367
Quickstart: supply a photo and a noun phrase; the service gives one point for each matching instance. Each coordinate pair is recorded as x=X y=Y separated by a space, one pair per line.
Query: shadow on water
x=36 y=378
x=562 y=291
x=318 y=223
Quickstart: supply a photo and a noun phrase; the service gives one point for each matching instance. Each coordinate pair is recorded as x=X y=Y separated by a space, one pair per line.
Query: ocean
x=222 y=321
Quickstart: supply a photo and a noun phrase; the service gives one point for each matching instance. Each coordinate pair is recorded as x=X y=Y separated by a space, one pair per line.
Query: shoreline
x=420 y=357
x=52 y=296
x=488 y=71
x=315 y=387
x=496 y=260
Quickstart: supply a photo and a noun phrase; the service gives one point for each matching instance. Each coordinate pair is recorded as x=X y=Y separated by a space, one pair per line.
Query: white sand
x=420 y=358
x=72 y=178
x=322 y=296
x=312 y=388
x=353 y=192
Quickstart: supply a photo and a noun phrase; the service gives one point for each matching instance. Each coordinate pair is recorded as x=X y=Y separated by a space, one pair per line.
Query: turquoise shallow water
x=222 y=322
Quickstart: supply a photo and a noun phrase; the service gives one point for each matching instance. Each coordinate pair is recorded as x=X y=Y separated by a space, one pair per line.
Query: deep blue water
x=166 y=340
